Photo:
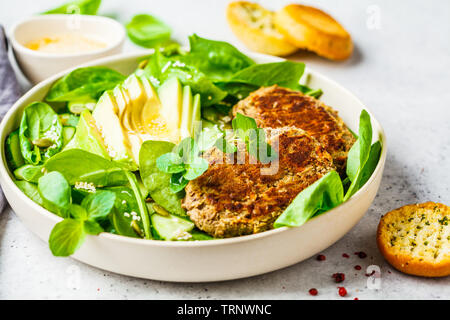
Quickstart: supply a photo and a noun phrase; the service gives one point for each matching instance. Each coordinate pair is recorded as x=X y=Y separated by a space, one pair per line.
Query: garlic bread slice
x=415 y=239
x=314 y=30
x=253 y=25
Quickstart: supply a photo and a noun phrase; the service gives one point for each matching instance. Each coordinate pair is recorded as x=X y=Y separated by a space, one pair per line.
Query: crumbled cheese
x=111 y=152
x=126 y=214
x=182 y=235
x=154 y=80
x=89 y=187
x=124 y=202
x=178 y=64
x=167 y=65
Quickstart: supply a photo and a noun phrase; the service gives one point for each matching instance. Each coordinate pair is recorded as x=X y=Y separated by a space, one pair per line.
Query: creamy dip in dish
x=66 y=43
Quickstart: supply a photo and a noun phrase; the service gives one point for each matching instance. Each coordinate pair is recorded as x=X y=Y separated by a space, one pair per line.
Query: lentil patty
x=237 y=199
x=277 y=107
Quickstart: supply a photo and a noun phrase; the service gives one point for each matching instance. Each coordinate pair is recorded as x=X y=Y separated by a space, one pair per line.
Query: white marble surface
x=401 y=70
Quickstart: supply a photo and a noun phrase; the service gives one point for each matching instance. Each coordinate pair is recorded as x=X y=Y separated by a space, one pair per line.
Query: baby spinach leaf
x=160 y=68
x=31 y=191
x=77 y=7
x=147 y=31
x=371 y=164
x=66 y=237
x=81 y=166
x=56 y=193
x=156 y=181
x=218 y=60
x=359 y=154
x=285 y=74
x=121 y=217
x=323 y=195
x=141 y=204
x=84 y=83
x=40 y=133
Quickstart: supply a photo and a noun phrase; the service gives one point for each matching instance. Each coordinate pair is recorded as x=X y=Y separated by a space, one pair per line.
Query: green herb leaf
x=147 y=31
x=208 y=137
x=92 y=227
x=78 y=212
x=56 y=193
x=98 y=205
x=195 y=168
x=170 y=163
x=66 y=237
x=323 y=195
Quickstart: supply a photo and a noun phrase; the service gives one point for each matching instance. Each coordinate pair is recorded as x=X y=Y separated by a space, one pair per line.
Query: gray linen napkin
x=9 y=88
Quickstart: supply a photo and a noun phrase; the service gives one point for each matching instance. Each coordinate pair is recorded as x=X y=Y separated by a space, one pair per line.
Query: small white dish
x=212 y=260
x=39 y=65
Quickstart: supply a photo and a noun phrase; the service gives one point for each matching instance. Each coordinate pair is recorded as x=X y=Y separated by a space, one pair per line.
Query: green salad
x=109 y=152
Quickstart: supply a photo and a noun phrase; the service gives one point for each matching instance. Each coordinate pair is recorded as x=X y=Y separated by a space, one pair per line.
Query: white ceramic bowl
x=211 y=260
x=38 y=66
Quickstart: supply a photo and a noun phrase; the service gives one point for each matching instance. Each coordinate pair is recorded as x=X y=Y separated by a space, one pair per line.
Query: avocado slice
x=106 y=116
x=186 y=113
x=171 y=96
x=137 y=98
x=68 y=133
x=88 y=136
x=196 y=115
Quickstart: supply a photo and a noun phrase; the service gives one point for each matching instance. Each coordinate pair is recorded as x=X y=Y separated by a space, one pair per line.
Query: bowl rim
x=7 y=179
x=119 y=36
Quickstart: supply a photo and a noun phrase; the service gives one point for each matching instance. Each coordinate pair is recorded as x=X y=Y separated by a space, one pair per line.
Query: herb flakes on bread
x=415 y=239
x=253 y=25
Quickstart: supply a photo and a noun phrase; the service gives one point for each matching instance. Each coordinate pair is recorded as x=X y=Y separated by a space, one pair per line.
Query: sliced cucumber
x=29 y=173
x=171 y=227
x=13 y=153
x=69 y=119
x=68 y=133
x=77 y=107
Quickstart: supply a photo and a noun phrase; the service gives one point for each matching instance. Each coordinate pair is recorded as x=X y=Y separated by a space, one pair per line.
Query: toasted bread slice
x=314 y=30
x=253 y=25
x=415 y=239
